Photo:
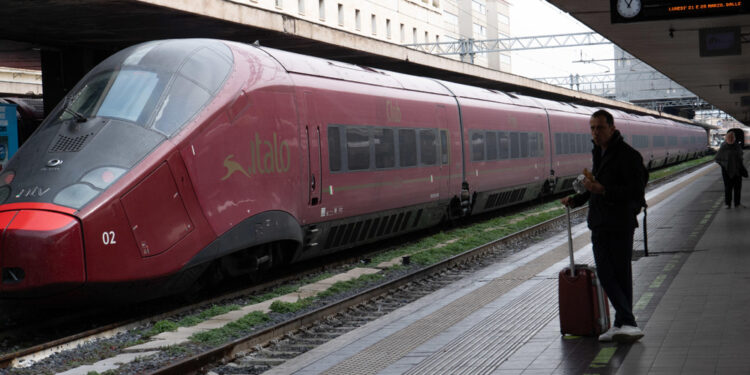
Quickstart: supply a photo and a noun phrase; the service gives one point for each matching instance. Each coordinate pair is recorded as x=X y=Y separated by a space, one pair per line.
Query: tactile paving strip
x=484 y=347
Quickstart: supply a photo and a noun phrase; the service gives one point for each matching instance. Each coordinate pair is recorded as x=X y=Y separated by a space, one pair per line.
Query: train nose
x=41 y=253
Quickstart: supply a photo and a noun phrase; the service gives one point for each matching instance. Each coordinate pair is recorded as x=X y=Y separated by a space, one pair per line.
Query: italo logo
x=266 y=157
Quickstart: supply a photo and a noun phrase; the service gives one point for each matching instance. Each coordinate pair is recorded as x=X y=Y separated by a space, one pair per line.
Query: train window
x=570 y=140
x=524 y=144
x=358 y=148
x=541 y=144
x=685 y=140
x=672 y=140
x=515 y=151
x=385 y=148
x=477 y=146
x=407 y=147
x=86 y=99
x=533 y=145
x=491 y=146
x=182 y=101
x=564 y=149
x=207 y=68
x=558 y=144
x=658 y=141
x=504 y=145
x=334 y=148
x=428 y=146
x=581 y=143
x=444 y=146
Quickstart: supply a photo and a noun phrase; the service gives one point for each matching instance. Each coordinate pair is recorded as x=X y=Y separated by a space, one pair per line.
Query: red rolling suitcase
x=584 y=310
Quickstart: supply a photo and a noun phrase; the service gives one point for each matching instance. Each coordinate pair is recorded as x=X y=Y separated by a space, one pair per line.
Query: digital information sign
x=624 y=11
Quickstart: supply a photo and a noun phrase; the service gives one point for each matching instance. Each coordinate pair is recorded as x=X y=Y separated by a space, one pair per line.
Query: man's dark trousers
x=613 y=252
x=731 y=185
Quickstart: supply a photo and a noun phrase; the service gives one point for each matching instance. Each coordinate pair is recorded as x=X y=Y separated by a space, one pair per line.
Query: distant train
x=178 y=158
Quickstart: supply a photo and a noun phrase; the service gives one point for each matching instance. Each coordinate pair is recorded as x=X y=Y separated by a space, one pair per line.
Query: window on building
x=414 y=35
x=450 y=18
x=504 y=59
x=322 y=10
x=279 y=3
x=301 y=6
x=357 y=20
x=479 y=6
x=426 y=37
x=437 y=38
x=374 y=23
x=480 y=32
x=341 y=14
x=388 y=28
x=402 y=31
x=503 y=19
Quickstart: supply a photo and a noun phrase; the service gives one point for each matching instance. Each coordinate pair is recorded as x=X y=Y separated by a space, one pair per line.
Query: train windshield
x=126 y=95
x=155 y=85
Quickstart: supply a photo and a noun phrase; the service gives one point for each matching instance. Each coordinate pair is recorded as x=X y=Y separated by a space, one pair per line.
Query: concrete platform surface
x=692 y=299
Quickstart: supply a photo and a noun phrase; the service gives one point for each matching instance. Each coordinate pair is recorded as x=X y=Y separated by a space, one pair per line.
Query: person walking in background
x=615 y=192
x=729 y=158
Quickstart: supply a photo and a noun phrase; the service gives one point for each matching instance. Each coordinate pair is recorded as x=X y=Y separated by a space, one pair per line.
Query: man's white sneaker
x=607 y=336
x=627 y=334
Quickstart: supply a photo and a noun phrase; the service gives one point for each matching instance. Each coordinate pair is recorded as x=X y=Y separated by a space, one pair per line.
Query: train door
x=312 y=137
x=445 y=162
x=549 y=186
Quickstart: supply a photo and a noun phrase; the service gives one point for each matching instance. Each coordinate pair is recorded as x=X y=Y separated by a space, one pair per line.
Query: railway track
x=303 y=332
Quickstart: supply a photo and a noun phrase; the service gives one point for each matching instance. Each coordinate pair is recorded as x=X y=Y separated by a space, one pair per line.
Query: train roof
x=479 y=93
x=314 y=66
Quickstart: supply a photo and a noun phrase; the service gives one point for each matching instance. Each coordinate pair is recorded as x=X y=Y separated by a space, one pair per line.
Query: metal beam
x=472 y=46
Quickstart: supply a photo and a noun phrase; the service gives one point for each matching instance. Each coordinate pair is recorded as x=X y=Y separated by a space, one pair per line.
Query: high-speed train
x=172 y=159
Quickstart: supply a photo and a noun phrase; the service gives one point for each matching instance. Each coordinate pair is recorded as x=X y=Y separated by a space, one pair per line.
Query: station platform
x=692 y=300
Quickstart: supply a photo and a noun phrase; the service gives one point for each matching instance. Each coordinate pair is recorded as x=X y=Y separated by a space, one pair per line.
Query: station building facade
x=407 y=21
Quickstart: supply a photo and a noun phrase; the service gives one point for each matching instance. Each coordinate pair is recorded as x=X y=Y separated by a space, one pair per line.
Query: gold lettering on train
x=393 y=112
x=266 y=156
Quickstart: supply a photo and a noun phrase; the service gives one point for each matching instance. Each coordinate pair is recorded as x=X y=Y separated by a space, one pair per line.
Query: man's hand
x=593 y=186
x=567 y=201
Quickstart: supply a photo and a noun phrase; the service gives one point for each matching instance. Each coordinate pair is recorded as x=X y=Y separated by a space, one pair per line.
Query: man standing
x=615 y=191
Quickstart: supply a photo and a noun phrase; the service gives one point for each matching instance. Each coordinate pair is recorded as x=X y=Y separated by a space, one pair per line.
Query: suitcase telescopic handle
x=570 y=245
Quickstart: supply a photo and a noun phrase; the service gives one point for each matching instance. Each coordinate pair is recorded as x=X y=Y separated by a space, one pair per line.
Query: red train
x=176 y=158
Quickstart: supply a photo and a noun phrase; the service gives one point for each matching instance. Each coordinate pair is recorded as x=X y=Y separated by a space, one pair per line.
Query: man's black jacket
x=621 y=172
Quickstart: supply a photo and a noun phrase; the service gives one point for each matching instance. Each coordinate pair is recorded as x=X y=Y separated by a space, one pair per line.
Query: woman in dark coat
x=729 y=158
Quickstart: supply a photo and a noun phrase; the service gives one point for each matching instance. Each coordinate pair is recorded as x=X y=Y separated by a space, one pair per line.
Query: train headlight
x=7 y=177
x=101 y=178
x=90 y=185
